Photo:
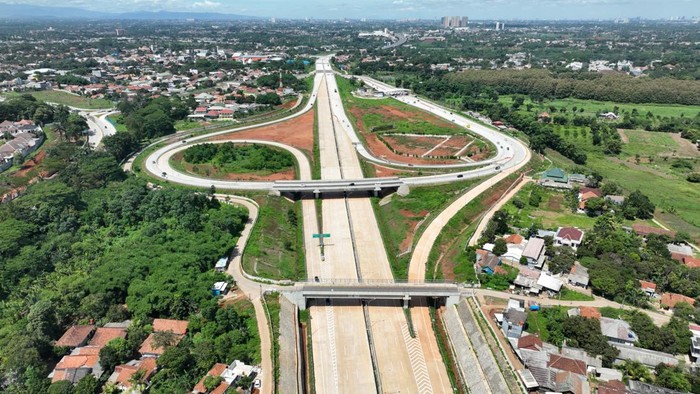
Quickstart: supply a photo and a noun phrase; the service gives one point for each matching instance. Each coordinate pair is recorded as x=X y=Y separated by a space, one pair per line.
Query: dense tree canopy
x=92 y=244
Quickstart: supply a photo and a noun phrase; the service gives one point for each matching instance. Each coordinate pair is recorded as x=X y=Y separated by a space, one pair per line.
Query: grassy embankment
x=398 y=218
x=275 y=249
x=272 y=305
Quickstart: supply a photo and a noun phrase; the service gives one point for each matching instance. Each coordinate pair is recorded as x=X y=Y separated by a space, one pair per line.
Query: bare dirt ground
x=685 y=147
x=555 y=202
x=30 y=164
x=412 y=145
x=297 y=132
x=380 y=150
x=390 y=113
x=623 y=136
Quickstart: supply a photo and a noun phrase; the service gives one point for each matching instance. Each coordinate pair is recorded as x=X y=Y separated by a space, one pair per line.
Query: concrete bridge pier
x=317 y=194
x=377 y=190
x=406 y=299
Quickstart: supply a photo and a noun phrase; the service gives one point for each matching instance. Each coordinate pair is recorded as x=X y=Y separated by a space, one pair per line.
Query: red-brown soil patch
x=414 y=220
x=30 y=165
x=289 y=104
x=381 y=171
x=381 y=151
x=410 y=145
x=457 y=141
x=297 y=132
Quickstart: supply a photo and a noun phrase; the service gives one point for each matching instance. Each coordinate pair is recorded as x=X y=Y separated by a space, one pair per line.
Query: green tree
x=61 y=387
x=87 y=385
x=500 y=247
x=121 y=144
x=563 y=259
x=116 y=352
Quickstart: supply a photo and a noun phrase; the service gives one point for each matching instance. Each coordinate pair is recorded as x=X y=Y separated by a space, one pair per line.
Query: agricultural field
x=69 y=99
x=275 y=249
x=656 y=164
x=592 y=107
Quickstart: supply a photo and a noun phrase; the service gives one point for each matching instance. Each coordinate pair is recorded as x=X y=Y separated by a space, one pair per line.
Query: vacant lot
x=275 y=248
x=69 y=99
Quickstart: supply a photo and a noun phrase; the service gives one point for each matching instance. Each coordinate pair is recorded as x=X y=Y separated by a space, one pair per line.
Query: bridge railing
x=377 y=282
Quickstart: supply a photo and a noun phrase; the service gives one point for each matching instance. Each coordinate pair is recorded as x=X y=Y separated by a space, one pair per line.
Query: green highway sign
x=325 y=235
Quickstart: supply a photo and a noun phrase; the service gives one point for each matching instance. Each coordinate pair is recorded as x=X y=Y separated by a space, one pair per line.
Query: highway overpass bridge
x=320 y=188
x=301 y=293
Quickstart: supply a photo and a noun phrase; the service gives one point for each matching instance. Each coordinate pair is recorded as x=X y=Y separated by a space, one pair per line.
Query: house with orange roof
x=75 y=336
x=669 y=300
x=691 y=262
x=122 y=377
x=178 y=329
x=585 y=311
x=105 y=334
x=215 y=371
x=648 y=287
x=77 y=365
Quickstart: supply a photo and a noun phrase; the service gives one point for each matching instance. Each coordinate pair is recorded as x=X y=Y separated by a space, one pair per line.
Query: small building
x=650 y=358
x=230 y=375
x=76 y=336
x=487 y=262
x=578 y=178
x=219 y=289
x=609 y=116
x=549 y=282
x=644 y=230
x=579 y=275
x=588 y=312
x=648 y=287
x=514 y=322
x=105 y=334
x=695 y=342
x=669 y=300
x=617 y=331
x=534 y=252
x=221 y=264
x=122 y=377
x=178 y=328
x=691 y=262
x=554 y=177
x=79 y=363
x=568 y=236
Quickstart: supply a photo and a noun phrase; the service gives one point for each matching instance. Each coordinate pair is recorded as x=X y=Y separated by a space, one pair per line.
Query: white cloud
x=206 y=4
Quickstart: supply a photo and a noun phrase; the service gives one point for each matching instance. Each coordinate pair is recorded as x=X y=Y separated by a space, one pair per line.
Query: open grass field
x=551 y=213
x=275 y=249
x=592 y=107
x=675 y=198
x=69 y=99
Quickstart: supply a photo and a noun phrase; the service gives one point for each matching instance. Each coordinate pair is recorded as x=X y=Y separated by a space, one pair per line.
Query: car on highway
x=316 y=279
x=460 y=175
x=498 y=168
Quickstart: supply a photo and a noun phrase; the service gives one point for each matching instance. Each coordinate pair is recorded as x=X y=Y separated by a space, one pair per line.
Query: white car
x=257 y=384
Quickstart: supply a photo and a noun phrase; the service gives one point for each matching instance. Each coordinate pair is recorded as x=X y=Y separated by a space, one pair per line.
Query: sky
x=401 y=9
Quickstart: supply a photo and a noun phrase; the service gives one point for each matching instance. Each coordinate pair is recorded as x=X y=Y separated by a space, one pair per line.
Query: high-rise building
x=454 y=21
x=500 y=26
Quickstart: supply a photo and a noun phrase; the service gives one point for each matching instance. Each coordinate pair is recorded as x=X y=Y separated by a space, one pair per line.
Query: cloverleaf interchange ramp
x=360 y=343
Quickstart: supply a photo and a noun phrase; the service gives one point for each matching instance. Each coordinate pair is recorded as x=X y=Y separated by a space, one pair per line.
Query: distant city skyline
x=400 y=9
